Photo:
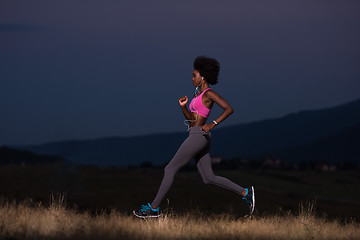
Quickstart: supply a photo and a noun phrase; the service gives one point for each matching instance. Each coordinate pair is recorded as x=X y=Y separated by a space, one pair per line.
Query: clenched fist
x=183 y=101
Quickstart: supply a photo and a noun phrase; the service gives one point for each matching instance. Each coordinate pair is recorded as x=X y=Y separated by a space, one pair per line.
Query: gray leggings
x=197 y=146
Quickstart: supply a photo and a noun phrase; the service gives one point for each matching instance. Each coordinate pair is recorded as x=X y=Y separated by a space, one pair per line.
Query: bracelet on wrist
x=215 y=122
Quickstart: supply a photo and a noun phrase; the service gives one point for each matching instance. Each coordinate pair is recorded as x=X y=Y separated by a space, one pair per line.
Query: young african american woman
x=197 y=144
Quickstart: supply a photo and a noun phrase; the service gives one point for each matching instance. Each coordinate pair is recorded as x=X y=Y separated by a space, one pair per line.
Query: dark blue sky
x=85 y=69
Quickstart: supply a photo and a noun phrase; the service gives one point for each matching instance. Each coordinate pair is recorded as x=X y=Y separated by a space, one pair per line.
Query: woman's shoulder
x=210 y=92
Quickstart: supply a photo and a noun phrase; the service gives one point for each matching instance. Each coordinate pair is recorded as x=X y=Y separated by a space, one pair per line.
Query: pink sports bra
x=197 y=105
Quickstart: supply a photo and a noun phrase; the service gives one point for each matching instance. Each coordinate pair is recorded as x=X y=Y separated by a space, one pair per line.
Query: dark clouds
x=85 y=69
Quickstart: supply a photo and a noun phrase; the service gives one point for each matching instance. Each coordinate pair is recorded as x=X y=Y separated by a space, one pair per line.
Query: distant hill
x=9 y=156
x=304 y=131
x=340 y=147
x=291 y=130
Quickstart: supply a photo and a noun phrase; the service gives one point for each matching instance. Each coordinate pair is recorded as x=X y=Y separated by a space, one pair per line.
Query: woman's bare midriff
x=200 y=120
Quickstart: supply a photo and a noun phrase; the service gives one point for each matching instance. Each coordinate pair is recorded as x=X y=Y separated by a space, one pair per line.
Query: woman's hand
x=183 y=101
x=208 y=127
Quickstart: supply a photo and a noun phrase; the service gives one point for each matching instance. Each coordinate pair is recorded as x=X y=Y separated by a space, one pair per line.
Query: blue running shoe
x=250 y=198
x=146 y=211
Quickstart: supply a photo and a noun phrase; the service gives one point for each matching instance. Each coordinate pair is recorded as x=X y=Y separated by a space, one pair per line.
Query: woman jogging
x=197 y=144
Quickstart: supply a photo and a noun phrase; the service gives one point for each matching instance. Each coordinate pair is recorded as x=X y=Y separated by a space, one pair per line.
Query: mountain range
x=330 y=134
x=9 y=156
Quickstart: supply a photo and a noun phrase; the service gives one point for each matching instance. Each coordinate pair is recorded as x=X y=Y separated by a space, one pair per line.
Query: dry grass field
x=31 y=220
x=96 y=203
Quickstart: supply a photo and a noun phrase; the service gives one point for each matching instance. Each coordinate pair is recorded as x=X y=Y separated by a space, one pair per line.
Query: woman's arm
x=223 y=104
x=186 y=112
x=182 y=102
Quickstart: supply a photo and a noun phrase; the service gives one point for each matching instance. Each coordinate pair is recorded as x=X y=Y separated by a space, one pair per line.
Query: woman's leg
x=205 y=169
x=189 y=148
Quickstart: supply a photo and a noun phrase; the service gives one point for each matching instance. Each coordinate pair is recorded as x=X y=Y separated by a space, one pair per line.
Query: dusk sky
x=86 y=69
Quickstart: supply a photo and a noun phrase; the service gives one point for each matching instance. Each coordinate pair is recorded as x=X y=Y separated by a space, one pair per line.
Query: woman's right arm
x=182 y=102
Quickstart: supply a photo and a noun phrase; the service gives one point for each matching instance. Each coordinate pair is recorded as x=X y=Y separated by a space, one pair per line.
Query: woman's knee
x=170 y=169
x=206 y=181
x=167 y=169
x=209 y=179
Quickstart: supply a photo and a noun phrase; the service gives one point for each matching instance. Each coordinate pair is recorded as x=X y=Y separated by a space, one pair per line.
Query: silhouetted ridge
x=16 y=157
x=340 y=147
x=292 y=133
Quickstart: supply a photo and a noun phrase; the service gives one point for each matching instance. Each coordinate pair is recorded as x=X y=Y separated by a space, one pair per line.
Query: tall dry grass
x=29 y=220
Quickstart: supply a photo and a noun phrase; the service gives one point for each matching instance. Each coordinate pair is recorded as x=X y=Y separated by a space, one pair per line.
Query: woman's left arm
x=223 y=104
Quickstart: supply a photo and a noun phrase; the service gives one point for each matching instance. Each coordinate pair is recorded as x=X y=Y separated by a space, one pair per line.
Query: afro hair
x=208 y=68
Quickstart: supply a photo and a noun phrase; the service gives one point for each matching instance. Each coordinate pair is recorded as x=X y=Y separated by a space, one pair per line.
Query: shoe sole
x=143 y=217
x=253 y=200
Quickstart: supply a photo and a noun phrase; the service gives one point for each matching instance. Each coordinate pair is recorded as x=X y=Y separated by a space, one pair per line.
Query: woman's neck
x=204 y=86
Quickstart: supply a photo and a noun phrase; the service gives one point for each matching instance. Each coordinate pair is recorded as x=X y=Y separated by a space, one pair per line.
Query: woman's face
x=196 y=78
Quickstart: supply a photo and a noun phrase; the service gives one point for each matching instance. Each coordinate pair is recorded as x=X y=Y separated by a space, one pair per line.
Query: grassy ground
x=30 y=220
x=58 y=202
x=336 y=194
